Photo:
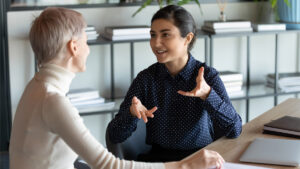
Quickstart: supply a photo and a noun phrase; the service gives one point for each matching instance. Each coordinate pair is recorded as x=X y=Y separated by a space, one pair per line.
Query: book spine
x=133 y=31
x=227 y=25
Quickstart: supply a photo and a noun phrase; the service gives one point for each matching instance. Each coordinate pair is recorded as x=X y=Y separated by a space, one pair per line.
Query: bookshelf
x=251 y=91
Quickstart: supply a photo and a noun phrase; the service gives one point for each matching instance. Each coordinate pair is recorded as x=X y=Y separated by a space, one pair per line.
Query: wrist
x=175 y=165
x=207 y=92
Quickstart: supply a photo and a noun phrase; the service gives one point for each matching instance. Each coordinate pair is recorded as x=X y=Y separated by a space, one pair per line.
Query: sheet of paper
x=228 y=165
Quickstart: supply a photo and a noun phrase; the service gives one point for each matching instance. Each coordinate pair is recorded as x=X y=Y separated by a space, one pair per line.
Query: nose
x=157 y=41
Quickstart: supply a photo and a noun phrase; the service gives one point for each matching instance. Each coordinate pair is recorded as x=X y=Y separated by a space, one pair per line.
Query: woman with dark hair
x=184 y=99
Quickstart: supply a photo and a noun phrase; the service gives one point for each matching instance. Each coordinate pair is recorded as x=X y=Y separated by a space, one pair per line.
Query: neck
x=63 y=61
x=176 y=66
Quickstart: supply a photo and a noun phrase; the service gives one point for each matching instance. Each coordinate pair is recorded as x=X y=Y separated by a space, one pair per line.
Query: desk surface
x=232 y=149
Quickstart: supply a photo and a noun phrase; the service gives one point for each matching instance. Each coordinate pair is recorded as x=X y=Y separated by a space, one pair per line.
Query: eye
x=165 y=35
x=152 y=35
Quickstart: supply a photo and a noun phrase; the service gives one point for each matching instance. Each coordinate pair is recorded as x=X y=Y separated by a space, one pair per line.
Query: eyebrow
x=164 y=30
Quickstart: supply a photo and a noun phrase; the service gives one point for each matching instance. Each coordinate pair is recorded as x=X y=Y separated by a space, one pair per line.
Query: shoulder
x=55 y=104
x=209 y=72
x=53 y=98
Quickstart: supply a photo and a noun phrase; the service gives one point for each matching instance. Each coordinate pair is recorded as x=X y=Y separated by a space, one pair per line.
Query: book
x=82 y=92
x=233 y=88
x=90 y=28
x=230 y=76
x=228 y=24
x=234 y=94
x=128 y=30
x=287 y=82
x=284 y=126
x=269 y=27
x=126 y=37
x=226 y=30
x=291 y=76
x=92 y=37
x=87 y=101
x=91 y=32
x=229 y=84
x=107 y=105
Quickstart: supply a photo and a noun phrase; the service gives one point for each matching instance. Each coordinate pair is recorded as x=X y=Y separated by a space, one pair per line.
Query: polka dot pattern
x=180 y=122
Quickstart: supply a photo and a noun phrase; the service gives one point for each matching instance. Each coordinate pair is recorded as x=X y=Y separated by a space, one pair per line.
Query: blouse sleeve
x=226 y=120
x=64 y=120
x=124 y=124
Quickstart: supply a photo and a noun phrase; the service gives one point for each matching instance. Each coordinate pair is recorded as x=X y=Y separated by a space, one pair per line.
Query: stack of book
x=88 y=100
x=233 y=82
x=259 y=27
x=127 y=32
x=91 y=32
x=231 y=26
x=284 y=126
x=287 y=82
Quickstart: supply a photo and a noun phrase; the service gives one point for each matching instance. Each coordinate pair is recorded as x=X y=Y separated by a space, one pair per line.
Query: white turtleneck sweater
x=48 y=132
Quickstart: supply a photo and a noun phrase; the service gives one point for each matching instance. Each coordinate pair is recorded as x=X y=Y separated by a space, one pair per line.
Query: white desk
x=232 y=149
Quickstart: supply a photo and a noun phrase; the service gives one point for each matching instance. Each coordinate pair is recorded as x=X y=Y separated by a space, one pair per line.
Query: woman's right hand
x=138 y=110
x=202 y=159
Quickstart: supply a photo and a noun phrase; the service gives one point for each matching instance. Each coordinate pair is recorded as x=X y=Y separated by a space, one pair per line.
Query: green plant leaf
x=170 y=2
x=146 y=3
x=160 y=2
x=198 y=3
x=287 y=2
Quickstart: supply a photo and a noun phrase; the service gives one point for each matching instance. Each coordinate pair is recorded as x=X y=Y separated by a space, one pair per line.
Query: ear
x=189 y=38
x=72 y=47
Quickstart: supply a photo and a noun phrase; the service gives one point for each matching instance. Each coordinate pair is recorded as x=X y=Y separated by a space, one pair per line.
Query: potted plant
x=289 y=12
x=167 y=2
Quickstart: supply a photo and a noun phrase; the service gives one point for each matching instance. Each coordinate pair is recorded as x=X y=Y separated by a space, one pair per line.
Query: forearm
x=173 y=165
x=121 y=127
x=224 y=114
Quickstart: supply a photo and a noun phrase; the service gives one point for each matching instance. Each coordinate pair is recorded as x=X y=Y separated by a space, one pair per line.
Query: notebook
x=284 y=126
x=273 y=151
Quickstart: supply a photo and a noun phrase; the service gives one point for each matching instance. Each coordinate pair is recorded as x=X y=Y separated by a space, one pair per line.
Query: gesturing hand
x=140 y=111
x=201 y=90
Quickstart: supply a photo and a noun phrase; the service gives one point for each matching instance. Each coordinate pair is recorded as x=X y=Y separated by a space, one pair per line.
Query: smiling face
x=167 y=44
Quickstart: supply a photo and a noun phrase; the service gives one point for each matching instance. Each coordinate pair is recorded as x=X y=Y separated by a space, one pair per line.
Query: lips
x=160 y=51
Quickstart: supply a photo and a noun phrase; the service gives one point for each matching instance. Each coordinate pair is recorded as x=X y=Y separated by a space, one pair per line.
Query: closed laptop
x=273 y=151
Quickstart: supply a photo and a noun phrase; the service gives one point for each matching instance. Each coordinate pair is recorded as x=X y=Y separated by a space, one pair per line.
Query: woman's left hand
x=201 y=90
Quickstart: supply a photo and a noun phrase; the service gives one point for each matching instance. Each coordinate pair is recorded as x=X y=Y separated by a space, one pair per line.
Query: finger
x=219 y=163
x=220 y=157
x=134 y=100
x=186 y=93
x=151 y=111
x=136 y=112
x=144 y=117
x=201 y=73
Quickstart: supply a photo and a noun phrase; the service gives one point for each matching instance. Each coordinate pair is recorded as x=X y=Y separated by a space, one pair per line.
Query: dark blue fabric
x=180 y=122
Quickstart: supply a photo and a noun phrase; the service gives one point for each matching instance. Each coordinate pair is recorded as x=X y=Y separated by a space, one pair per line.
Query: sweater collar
x=57 y=76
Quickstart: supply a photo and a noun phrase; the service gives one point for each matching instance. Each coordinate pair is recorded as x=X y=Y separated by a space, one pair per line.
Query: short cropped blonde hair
x=51 y=31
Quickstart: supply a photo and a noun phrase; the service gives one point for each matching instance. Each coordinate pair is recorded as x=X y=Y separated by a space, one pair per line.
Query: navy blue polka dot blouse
x=180 y=122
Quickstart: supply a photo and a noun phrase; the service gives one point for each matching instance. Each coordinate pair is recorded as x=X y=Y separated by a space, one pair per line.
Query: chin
x=81 y=69
x=160 y=59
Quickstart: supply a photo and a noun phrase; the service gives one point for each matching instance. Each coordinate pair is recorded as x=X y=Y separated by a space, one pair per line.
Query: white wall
x=229 y=54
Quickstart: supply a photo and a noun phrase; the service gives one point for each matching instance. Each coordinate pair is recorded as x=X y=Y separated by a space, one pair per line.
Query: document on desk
x=228 y=165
